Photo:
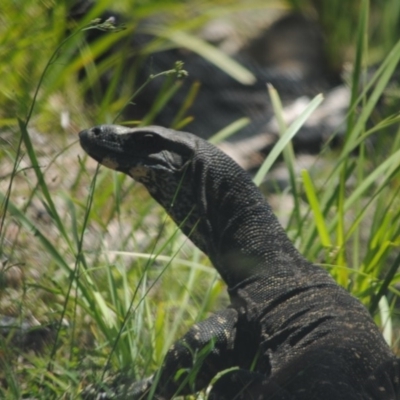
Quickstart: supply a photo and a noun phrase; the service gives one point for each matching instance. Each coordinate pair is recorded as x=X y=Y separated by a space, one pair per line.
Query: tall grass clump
x=99 y=305
x=351 y=222
x=100 y=262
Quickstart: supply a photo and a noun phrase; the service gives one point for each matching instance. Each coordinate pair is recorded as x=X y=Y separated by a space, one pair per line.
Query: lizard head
x=157 y=157
x=138 y=152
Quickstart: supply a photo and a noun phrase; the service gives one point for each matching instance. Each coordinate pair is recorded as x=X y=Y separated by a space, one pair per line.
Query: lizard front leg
x=193 y=360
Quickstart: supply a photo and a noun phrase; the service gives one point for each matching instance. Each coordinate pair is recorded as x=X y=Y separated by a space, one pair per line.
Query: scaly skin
x=291 y=331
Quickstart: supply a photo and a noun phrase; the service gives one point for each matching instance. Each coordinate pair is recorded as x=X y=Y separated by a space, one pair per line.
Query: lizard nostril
x=96 y=131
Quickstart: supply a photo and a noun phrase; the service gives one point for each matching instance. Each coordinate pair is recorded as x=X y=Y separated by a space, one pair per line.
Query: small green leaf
x=211 y=53
x=286 y=137
x=316 y=209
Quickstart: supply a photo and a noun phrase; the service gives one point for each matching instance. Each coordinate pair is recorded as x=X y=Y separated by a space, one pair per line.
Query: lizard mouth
x=103 y=145
x=125 y=149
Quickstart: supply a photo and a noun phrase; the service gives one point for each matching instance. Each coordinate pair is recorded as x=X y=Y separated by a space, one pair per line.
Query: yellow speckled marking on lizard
x=138 y=172
x=109 y=163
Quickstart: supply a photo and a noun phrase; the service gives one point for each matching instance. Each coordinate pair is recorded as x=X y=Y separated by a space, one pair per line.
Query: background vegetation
x=90 y=254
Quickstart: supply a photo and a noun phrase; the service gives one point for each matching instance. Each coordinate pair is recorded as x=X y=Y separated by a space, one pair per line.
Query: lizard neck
x=242 y=236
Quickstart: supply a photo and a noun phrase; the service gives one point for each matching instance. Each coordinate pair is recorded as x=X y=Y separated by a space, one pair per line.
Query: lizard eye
x=147 y=139
x=96 y=131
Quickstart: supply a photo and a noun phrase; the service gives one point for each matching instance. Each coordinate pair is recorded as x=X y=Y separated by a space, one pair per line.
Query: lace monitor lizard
x=290 y=330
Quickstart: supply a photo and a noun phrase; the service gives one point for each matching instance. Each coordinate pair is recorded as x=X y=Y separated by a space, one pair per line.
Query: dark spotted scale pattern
x=290 y=331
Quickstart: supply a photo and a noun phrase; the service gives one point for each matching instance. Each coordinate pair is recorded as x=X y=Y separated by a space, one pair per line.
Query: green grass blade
x=286 y=138
x=384 y=311
x=229 y=130
x=31 y=227
x=42 y=183
x=360 y=51
x=376 y=298
x=288 y=152
x=380 y=79
x=163 y=258
x=316 y=209
x=386 y=169
x=211 y=53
